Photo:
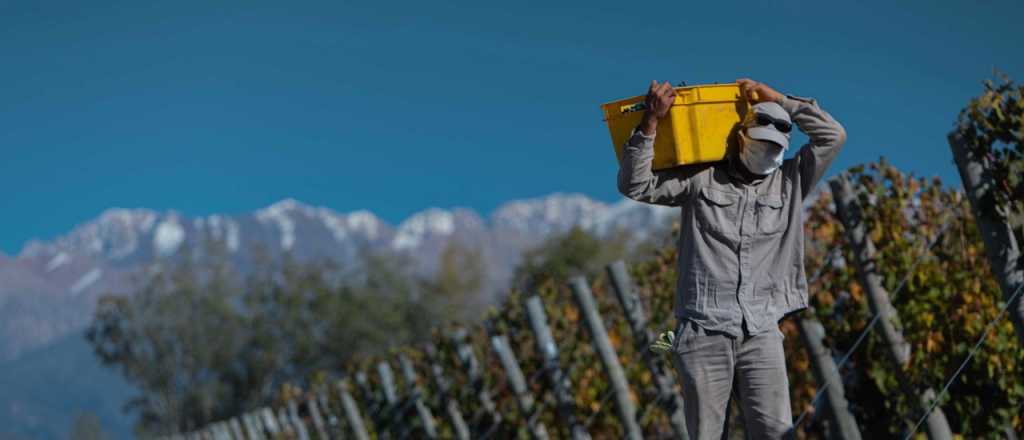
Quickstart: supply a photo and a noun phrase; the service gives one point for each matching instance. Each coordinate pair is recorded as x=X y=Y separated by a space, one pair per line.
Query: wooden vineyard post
x=253 y=427
x=507 y=357
x=329 y=415
x=387 y=383
x=225 y=430
x=416 y=395
x=374 y=406
x=218 y=432
x=388 y=414
x=668 y=398
x=450 y=405
x=318 y=420
x=1001 y=246
x=297 y=423
x=843 y=425
x=286 y=423
x=351 y=411
x=249 y=432
x=609 y=359
x=208 y=433
x=269 y=422
x=464 y=351
x=559 y=382
x=236 y=429
x=849 y=213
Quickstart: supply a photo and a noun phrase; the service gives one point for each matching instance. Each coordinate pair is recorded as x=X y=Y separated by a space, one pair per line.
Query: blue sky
x=206 y=107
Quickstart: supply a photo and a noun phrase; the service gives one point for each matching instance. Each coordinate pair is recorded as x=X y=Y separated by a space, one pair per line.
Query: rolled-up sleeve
x=637 y=181
x=826 y=136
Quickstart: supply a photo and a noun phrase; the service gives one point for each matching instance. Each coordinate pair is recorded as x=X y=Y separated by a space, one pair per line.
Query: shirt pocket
x=718 y=211
x=771 y=214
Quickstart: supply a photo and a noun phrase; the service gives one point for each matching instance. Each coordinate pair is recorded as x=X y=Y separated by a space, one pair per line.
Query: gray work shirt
x=741 y=244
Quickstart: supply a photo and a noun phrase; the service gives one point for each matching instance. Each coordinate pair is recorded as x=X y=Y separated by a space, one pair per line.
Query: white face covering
x=760 y=157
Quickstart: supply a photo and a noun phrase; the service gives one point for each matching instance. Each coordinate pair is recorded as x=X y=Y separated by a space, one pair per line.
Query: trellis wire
x=600 y=406
x=874 y=320
x=977 y=346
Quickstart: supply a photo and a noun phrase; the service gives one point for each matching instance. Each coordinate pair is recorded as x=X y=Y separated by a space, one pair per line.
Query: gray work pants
x=710 y=363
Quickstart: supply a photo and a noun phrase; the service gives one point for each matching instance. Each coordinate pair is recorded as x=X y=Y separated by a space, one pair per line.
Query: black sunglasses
x=763 y=119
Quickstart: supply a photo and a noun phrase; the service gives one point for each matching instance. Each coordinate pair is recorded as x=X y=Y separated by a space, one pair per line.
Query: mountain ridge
x=50 y=287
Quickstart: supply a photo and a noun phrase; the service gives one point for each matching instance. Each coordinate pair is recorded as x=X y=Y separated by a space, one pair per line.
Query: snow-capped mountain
x=50 y=288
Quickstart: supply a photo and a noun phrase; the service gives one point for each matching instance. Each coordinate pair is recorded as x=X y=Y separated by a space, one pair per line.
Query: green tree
x=575 y=252
x=203 y=342
x=992 y=126
x=988 y=149
x=177 y=337
x=457 y=288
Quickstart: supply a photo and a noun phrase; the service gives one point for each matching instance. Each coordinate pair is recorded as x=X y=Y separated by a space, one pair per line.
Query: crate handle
x=635 y=107
x=641 y=106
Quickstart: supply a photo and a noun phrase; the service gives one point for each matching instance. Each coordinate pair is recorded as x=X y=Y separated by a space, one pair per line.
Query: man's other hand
x=758 y=92
x=658 y=101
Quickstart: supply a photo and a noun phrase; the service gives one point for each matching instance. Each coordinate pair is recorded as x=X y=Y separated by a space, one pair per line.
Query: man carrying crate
x=740 y=247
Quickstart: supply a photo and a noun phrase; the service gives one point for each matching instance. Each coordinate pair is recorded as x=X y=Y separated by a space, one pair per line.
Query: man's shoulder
x=791 y=166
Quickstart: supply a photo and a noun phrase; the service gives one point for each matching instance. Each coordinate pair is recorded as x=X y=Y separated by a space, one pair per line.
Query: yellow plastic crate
x=700 y=127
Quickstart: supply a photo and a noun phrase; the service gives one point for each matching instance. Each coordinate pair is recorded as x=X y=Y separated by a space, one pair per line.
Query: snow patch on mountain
x=366 y=222
x=233 y=238
x=335 y=224
x=356 y=225
x=555 y=213
x=278 y=214
x=58 y=260
x=119 y=231
x=115 y=235
x=223 y=228
x=90 y=278
x=433 y=222
x=168 y=237
x=628 y=214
